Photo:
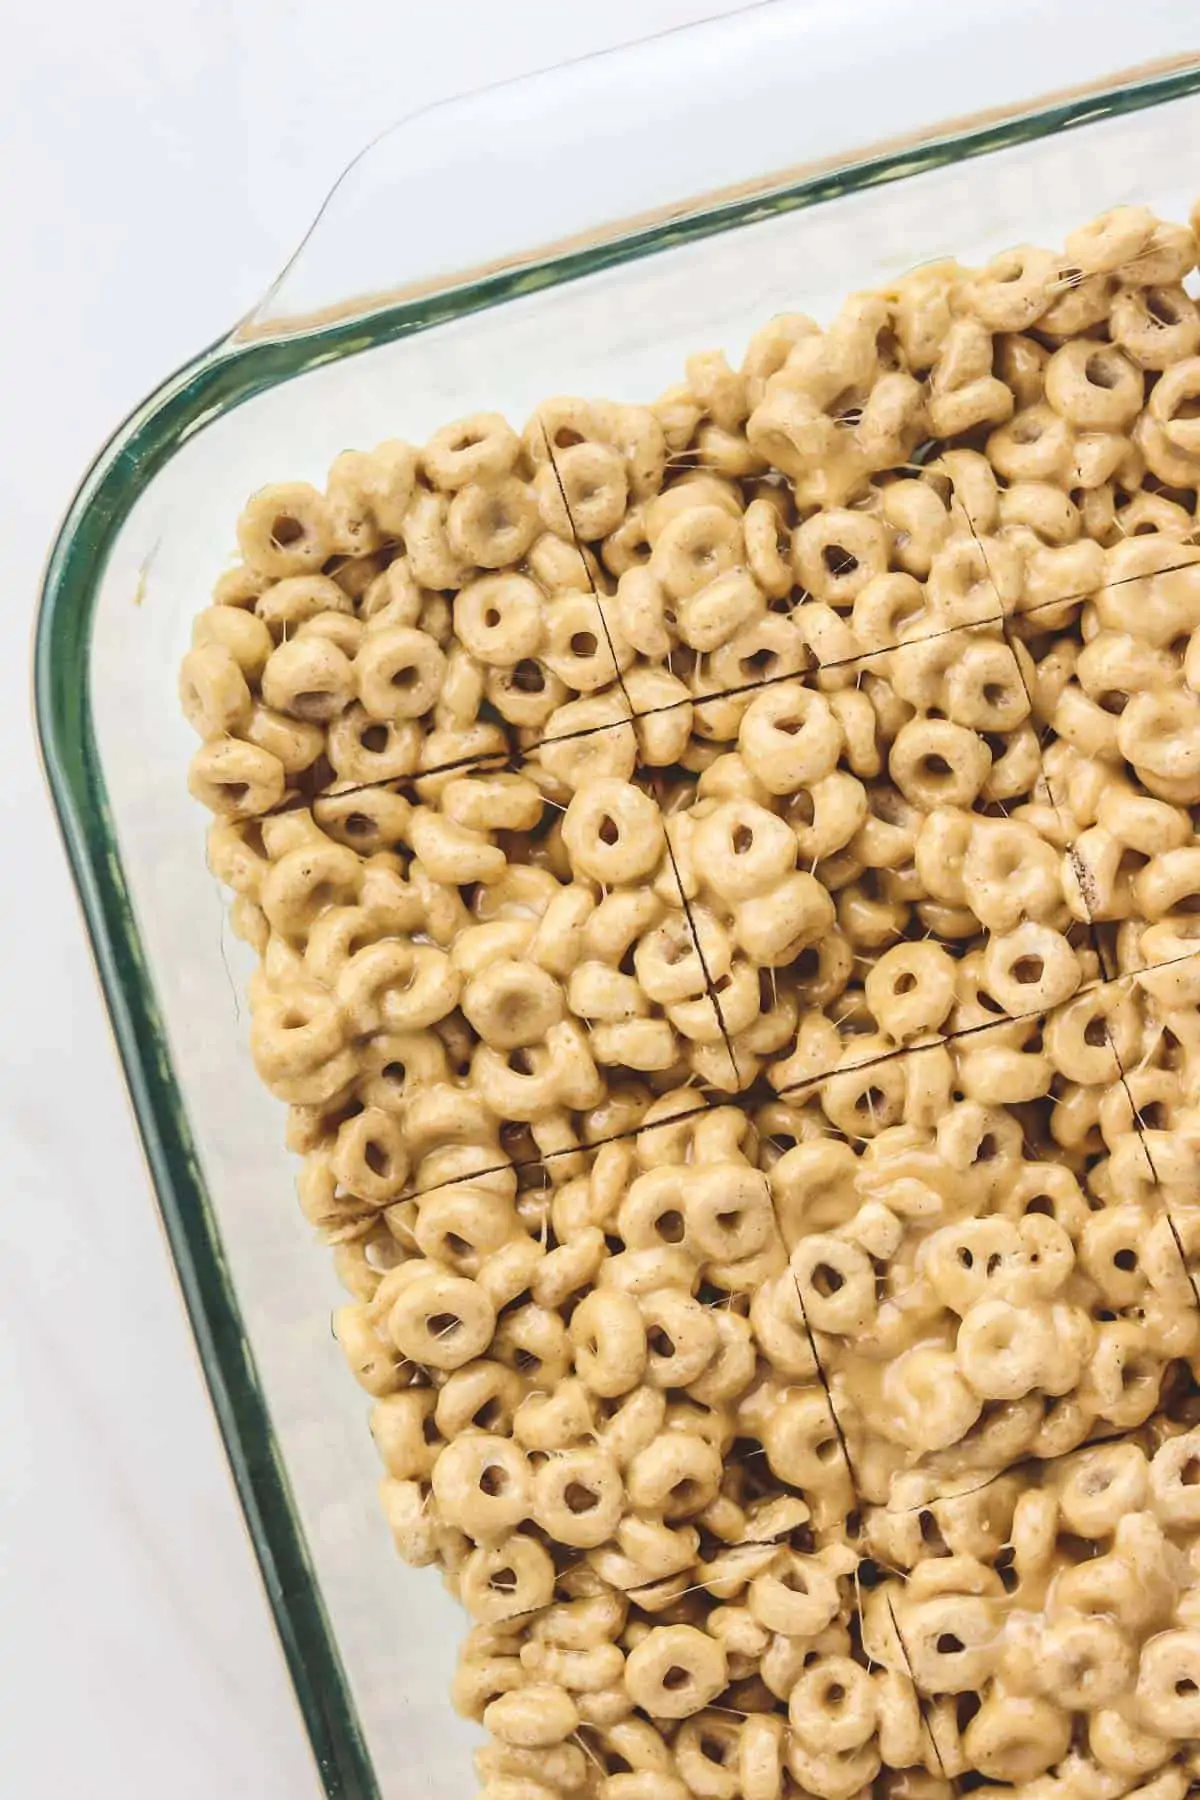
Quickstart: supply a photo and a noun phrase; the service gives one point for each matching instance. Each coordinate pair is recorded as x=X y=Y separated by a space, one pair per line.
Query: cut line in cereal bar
x=723 y=873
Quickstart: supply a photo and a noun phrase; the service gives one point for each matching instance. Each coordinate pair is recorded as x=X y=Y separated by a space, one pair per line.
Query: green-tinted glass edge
x=218 y=380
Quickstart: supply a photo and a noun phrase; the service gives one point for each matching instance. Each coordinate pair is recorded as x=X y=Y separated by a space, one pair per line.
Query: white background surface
x=159 y=160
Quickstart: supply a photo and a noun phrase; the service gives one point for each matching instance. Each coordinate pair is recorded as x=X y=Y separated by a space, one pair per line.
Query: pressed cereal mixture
x=726 y=882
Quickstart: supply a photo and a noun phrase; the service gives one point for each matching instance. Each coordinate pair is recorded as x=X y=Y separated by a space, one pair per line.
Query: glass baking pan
x=580 y=231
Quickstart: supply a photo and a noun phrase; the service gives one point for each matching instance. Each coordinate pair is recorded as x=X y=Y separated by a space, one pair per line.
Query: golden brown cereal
x=285 y=530
x=675 y=1671
x=723 y=877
